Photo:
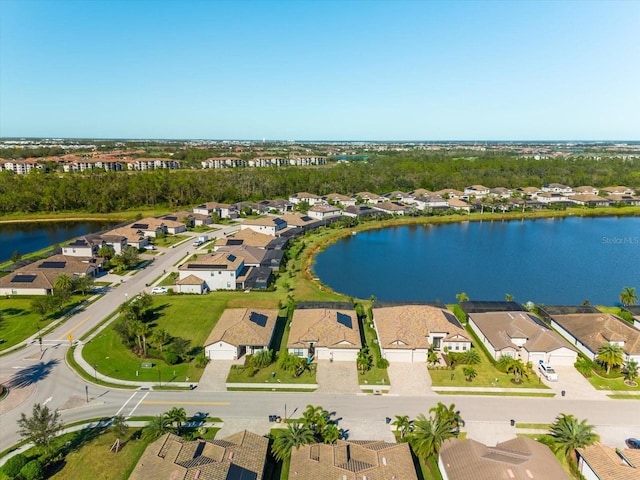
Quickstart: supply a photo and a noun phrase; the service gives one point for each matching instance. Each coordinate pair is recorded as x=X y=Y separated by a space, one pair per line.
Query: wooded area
x=117 y=191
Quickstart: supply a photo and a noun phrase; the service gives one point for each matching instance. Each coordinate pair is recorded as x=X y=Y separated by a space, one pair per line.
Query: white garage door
x=344 y=355
x=398 y=356
x=562 y=358
x=219 y=353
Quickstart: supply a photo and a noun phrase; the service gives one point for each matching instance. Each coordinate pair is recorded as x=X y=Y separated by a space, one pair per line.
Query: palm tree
x=568 y=434
x=428 y=435
x=64 y=282
x=628 y=296
x=313 y=416
x=177 y=416
x=447 y=414
x=331 y=434
x=364 y=360
x=518 y=369
x=631 y=371
x=471 y=357
x=462 y=297
x=161 y=337
x=157 y=427
x=432 y=356
x=611 y=355
x=293 y=436
x=119 y=426
x=469 y=373
x=402 y=424
x=508 y=297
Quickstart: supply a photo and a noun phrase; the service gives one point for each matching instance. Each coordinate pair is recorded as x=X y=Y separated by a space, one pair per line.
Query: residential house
x=85 y=246
x=500 y=192
x=449 y=193
x=618 y=190
x=589 y=331
x=391 y=208
x=407 y=332
x=586 y=189
x=247 y=237
x=324 y=334
x=267 y=161
x=635 y=311
x=117 y=242
x=238 y=456
x=310 y=198
x=223 y=162
x=520 y=458
x=368 y=197
x=307 y=160
x=599 y=462
x=190 y=219
x=339 y=199
x=557 y=188
x=149 y=227
x=521 y=335
x=398 y=196
x=477 y=191
x=132 y=237
x=624 y=199
x=352 y=460
x=219 y=271
x=324 y=212
x=548 y=198
x=223 y=210
x=359 y=211
x=255 y=256
x=272 y=226
x=590 y=200
x=301 y=221
x=430 y=202
x=191 y=284
x=279 y=206
x=240 y=331
x=457 y=204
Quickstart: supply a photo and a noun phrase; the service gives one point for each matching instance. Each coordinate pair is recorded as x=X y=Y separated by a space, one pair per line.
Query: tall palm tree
x=364 y=360
x=508 y=297
x=177 y=416
x=611 y=355
x=293 y=436
x=64 y=282
x=462 y=297
x=569 y=433
x=428 y=435
x=631 y=371
x=402 y=424
x=628 y=296
x=447 y=415
x=518 y=369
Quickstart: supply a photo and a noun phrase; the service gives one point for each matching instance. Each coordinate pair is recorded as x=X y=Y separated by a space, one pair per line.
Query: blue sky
x=343 y=70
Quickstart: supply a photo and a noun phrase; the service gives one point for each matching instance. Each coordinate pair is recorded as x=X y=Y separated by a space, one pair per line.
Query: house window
x=464 y=347
x=457 y=347
x=298 y=352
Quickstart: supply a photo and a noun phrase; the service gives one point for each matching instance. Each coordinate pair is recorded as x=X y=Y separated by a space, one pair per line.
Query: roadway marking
x=138 y=404
x=47 y=401
x=125 y=403
x=156 y=402
x=66 y=336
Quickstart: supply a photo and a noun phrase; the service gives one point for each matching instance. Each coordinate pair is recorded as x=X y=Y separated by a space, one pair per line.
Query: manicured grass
x=19 y=322
x=187 y=316
x=541 y=426
x=95 y=460
x=169 y=240
x=240 y=374
x=169 y=280
x=497 y=394
x=87 y=376
x=487 y=375
x=374 y=376
x=613 y=384
x=624 y=397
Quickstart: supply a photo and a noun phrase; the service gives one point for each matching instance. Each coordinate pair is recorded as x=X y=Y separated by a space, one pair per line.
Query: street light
x=95 y=371
x=159 y=378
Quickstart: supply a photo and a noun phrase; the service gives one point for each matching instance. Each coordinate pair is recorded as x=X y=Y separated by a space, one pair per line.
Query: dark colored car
x=632 y=443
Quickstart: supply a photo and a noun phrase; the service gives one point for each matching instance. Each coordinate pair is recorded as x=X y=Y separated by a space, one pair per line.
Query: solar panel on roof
x=78 y=243
x=345 y=320
x=23 y=278
x=142 y=226
x=231 y=258
x=52 y=265
x=198 y=266
x=234 y=241
x=258 y=319
x=278 y=221
x=306 y=218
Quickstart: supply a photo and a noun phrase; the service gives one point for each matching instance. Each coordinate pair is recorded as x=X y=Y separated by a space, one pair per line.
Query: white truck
x=200 y=240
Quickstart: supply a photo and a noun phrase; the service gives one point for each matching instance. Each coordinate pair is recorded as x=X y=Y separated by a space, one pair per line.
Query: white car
x=548 y=371
x=197 y=243
x=156 y=290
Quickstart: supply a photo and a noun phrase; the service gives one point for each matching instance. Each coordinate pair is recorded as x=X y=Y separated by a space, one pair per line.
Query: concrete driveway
x=574 y=385
x=409 y=379
x=337 y=377
x=214 y=377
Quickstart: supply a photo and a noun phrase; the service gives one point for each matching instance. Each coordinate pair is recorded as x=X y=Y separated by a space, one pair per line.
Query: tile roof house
x=310 y=198
x=589 y=331
x=133 y=237
x=476 y=191
x=238 y=456
x=273 y=226
x=191 y=284
x=599 y=462
x=391 y=208
x=369 y=197
x=518 y=459
x=85 y=246
x=352 y=460
x=589 y=199
x=405 y=333
x=457 y=204
x=521 y=335
x=324 y=212
x=618 y=190
x=338 y=198
x=240 y=331
x=325 y=334
x=219 y=271
x=248 y=237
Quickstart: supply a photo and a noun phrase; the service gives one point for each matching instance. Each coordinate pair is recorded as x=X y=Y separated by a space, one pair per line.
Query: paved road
x=59 y=387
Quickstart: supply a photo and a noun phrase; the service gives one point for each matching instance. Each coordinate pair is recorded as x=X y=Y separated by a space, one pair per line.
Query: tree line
x=103 y=192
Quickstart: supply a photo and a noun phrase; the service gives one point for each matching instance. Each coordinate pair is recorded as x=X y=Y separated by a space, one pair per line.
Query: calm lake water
x=550 y=261
x=33 y=236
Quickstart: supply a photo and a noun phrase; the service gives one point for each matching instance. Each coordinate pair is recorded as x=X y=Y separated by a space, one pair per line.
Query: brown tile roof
x=253 y=238
x=408 y=326
x=132 y=235
x=608 y=465
x=244 y=326
x=518 y=459
x=190 y=280
x=594 y=329
x=325 y=328
x=501 y=327
x=217 y=261
x=251 y=255
x=298 y=220
x=170 y=456
x=351 y=460
x=33 y=280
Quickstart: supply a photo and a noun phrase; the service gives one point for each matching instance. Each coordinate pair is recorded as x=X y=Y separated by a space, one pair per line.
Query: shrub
x=13 y=466
x=34 y=470
x=201 y=360
x=171 y=358
x=253 y=371
x=382 y=363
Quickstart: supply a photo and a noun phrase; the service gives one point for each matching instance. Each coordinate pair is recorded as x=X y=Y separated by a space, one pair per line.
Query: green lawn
x=270 y=376
x=523 y=393
x=186 y=316
x=614 y=384
x=169 y=240
x=19 y=322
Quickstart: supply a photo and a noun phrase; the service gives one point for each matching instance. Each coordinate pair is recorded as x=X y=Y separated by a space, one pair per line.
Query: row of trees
x=114 y=191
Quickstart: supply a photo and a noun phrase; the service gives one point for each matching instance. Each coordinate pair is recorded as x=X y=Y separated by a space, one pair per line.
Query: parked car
x=548 y=371
x=197 y=243
x=633 y=443
x=156 y=290
x=150 y=247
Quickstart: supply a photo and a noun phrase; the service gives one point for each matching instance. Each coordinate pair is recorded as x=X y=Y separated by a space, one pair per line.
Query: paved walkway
x=337 y=377
x=214 y=377
x=409 y=379
x=573 y=384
